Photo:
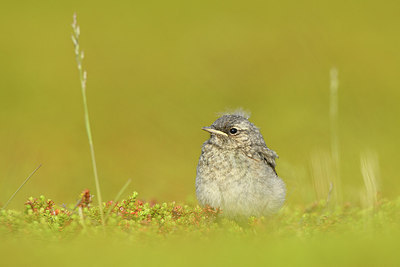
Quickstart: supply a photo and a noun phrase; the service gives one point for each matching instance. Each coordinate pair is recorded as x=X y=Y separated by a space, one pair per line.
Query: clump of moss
x=136 y=218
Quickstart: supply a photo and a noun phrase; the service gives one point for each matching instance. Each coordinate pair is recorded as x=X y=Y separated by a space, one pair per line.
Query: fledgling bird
x=236 y=170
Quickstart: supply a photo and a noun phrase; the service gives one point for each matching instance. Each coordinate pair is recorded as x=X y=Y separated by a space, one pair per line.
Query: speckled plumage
x=236 y=171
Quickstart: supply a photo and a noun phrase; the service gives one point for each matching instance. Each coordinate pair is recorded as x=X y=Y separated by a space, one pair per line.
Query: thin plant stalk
x=19 y=188
x=83 y=78
x=333 y=114
x=82 y=219
x=117 y=197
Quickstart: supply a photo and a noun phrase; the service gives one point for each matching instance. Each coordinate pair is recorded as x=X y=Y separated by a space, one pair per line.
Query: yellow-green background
x=160 y=70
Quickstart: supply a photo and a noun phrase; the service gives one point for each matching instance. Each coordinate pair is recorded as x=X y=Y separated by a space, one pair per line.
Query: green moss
x=137 y=218
x=161 y=233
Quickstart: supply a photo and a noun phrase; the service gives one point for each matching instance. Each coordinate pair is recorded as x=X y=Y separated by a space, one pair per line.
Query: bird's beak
x=213 y=131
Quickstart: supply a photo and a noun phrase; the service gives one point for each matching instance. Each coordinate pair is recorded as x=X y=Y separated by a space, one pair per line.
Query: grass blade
x=19 y=188
x=118 y=196
x=370 y=173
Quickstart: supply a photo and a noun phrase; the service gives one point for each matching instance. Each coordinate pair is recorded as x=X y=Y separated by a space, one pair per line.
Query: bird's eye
x=233 y=130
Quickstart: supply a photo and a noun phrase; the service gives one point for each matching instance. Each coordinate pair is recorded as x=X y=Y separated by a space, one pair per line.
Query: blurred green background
x=158 y=71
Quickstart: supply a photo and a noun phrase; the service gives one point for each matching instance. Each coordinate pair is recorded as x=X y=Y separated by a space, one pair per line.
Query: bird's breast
x=221 y=164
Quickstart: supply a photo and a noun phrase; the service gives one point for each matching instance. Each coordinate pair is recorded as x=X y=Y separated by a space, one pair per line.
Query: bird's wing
x=269 y=156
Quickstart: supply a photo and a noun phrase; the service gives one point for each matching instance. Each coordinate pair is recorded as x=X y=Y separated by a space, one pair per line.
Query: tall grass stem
x=83 y=78
x=333 y=114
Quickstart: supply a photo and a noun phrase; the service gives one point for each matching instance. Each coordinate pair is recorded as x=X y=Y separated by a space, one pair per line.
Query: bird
x=236 y=170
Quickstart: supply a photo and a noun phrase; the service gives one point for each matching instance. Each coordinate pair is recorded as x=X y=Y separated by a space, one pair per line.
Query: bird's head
x=232 y=131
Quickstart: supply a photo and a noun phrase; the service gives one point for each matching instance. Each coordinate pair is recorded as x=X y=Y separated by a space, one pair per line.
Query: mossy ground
x=168 y=233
